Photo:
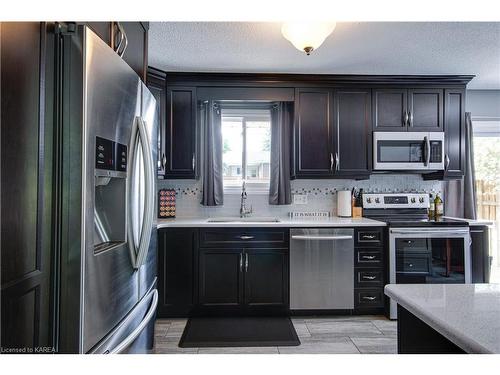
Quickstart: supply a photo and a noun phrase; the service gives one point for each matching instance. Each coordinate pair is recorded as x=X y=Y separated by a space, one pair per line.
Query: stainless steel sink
x=243 y=220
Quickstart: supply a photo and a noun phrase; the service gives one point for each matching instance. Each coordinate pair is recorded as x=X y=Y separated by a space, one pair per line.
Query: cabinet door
x=353 y=130
x=176 y=264
x=220 y=277
x=389 y=109
x=454 y=127
x=180 y=145
x=266 y=278
x=157 y=86
x=136 y=54
x=313 y=133
x=425 y=110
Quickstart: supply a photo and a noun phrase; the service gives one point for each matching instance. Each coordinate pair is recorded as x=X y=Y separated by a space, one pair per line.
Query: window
x=487 y=167
x=246 y=150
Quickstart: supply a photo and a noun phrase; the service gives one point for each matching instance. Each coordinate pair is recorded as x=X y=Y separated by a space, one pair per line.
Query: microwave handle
x=427 y=151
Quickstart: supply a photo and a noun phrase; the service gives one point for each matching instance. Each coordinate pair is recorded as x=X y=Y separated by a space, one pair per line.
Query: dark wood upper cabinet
x=425 y=110
x=313 y=133
x=454 y=127
x=353 y=133
x=414 y=109
x=157 y=85
x=389 y=109
x=266 y=278
x=220 y=278
x=181 y=133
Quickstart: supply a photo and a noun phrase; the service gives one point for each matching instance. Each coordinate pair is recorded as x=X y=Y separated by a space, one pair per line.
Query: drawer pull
x=369 y=277
x=246 y=237
x=369 y=298
x=369 y=257
x=368 y=236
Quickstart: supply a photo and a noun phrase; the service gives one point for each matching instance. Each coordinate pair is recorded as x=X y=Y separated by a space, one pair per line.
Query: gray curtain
x=213 y=189
x=281 y=120
x=460 y=195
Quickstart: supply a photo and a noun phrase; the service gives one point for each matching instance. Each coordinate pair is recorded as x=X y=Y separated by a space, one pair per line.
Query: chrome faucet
x=244 y=211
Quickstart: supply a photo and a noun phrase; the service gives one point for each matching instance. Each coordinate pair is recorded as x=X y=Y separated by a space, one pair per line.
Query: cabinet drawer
x=368 y=298
x=367 y=257
x=414 y=263
x=244 y=237
x=368 y=237
x=368 y=277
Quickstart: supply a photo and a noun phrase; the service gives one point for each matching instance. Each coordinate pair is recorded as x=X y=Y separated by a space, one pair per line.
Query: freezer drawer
x=321 y=269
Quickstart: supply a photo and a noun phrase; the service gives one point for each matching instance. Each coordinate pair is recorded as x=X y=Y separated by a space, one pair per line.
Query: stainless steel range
x=421 y=251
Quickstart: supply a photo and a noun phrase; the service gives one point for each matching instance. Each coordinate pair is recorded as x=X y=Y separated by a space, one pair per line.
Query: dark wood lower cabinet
x=177 y=263
x=243 y=281
x=266 y=278
x=416 y=337
x=480 y=254
x=220 y=277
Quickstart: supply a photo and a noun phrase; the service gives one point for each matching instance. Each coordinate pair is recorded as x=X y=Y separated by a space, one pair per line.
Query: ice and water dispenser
x=110 y=189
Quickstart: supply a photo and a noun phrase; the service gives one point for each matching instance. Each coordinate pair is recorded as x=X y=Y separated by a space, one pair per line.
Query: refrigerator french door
x=107 y=233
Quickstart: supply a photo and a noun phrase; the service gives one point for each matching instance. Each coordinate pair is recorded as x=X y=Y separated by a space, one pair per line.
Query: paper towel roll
x=344 y=203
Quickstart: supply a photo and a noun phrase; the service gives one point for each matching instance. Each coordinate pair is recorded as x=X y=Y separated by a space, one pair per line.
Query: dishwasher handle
x=321 y=237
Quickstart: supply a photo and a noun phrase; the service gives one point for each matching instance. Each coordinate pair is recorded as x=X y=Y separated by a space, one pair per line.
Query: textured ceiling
x=353 y=48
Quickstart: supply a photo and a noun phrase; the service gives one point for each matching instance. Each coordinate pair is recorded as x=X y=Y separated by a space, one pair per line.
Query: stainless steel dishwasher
x=321 y=269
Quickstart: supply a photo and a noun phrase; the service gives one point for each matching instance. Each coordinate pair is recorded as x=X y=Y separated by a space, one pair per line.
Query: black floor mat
x=220 y=332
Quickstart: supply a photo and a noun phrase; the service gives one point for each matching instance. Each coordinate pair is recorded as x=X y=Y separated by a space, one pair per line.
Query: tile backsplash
x=321 y=195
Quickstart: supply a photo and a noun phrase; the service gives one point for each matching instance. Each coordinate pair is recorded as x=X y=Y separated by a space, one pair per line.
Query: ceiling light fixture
x=307 y=36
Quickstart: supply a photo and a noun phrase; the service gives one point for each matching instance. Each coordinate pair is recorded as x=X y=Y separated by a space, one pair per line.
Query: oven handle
x=441 y=233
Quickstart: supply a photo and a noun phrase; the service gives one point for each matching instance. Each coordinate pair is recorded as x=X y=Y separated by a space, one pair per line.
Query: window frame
x=246 y=115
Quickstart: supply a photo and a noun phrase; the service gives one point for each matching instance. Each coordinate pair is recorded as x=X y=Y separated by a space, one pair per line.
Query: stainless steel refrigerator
x=106 y=293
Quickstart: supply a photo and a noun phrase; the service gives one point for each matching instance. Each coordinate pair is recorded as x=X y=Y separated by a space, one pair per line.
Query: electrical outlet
x=299 y=199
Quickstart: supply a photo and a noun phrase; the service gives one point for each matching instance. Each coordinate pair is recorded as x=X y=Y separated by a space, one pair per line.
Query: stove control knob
x=368 y=200
x=421 y=199
x=413 y=200
x=377 y=200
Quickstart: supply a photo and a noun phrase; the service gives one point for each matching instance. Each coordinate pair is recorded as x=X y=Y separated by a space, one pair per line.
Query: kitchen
x=246 y=201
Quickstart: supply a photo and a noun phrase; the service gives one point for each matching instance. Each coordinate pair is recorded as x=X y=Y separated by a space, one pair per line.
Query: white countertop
x=283 y=223
x=466 y=314
x=488 y=223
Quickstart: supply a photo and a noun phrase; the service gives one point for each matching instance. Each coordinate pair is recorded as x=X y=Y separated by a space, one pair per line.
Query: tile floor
x=322 y=335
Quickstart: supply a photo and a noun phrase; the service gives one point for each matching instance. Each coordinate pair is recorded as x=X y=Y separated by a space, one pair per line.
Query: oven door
x=429 y=256
x=408 y=151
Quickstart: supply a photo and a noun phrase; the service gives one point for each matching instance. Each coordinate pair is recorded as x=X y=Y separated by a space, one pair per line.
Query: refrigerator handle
x=137 y=331
x=139 y=138
x=149 y=200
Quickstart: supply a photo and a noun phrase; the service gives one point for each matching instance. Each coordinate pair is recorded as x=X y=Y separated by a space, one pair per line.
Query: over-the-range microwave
x=408 y=151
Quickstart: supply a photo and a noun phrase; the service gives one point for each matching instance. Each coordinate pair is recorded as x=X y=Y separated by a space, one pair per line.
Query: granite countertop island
x=283 y=223
x=468 y=315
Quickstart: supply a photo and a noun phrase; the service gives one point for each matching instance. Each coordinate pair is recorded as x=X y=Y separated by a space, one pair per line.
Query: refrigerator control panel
x=121 y=157
x=110 y=155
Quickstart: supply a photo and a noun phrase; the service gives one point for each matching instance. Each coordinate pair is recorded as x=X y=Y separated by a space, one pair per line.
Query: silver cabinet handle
x=241 y=262
x=337 y=161
x=369 y=277
x=193 y=162
x=447 y=162
x=163 y=161
x=405 y=119
x=246 y=237
x=246 y=262
x=369 y=298
x=369 y=257
x=331 y=161
x=411 y=119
